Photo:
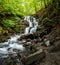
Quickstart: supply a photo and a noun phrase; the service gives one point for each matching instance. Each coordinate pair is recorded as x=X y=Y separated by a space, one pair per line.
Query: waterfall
x=29 y=19
x=27 y=30
x=35 y=23
x=12 y=43
x=32 y=21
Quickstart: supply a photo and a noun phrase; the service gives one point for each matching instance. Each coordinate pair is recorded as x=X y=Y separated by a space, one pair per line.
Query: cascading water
x=26 y=30
x=12 y=43
x=33 y=24
x=8 y=47
x=28 y=18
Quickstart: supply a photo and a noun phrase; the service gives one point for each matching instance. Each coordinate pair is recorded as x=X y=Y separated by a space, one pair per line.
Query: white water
x=27 y=30
x=33 y=30
x=31 y=23
x=14 y=38
x=11 y=47
x=11 y=44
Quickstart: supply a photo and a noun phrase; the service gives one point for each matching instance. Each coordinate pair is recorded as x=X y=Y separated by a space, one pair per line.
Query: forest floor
x=52 y=52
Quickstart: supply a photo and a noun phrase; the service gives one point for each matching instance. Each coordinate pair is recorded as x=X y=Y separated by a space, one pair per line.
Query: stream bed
x=10 y=49
x=12 y=46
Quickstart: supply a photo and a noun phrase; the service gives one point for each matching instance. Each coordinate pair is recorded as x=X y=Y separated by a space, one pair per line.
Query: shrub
x=15 y=18
x=8 y=23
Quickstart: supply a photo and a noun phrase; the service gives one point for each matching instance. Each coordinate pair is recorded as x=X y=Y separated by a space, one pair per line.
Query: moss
x=17 y=28
x=47 y=22
x=8 y=23
x=10 y=29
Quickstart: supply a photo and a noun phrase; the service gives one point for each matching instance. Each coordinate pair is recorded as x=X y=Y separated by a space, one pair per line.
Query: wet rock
x=35 y=41
x=22 y=56
x=46 y=42
x=28 y=40
x=22 y=42
x=29 y=43
x=29 y=36
x=31 y=47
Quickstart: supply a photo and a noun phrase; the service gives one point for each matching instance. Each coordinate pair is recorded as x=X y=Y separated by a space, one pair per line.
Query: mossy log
x=39 y=55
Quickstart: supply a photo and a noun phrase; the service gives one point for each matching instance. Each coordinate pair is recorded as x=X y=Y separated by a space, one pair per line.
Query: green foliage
x=56 y=9
x=15 y=18
x=47 y=22
x=9 y=23
x=1 y=30
x=22 y=7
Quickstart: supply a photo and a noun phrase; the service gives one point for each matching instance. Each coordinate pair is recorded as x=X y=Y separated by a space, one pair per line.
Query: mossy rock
x=22 y=28
x=47 y=22
x=17 y=28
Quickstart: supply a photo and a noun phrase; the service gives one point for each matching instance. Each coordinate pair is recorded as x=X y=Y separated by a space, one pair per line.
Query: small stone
x=29 y=43
x=47 y=42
